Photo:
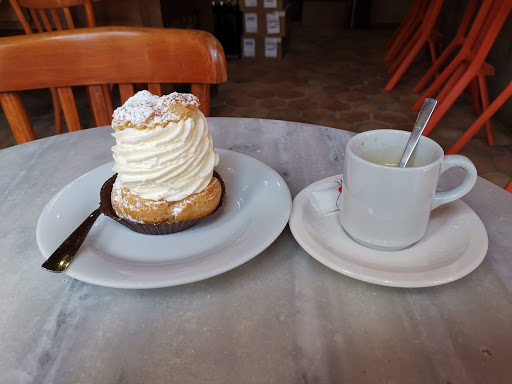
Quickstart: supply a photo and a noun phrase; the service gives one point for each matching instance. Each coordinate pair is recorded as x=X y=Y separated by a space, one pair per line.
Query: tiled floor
x=331 y=78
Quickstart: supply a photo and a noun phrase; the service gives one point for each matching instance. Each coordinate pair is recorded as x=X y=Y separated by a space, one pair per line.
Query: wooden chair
x=104 y=55
x=49 y=15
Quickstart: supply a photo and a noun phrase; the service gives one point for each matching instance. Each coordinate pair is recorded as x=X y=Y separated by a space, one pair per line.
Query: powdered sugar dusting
x=118 y=198
x=144 y=108
x=181 y=98
x=179 y=206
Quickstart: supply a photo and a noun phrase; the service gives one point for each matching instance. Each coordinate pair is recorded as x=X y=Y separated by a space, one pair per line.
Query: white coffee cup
x=388 y=208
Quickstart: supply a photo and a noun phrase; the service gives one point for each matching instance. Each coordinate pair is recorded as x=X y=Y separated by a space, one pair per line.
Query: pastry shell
x=149 y=229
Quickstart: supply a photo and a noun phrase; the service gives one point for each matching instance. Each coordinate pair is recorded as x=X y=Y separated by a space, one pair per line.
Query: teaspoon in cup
x=424 y=115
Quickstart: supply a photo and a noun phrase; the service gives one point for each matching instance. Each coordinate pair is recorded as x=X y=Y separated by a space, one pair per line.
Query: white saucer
x=255 y=211
x=454 y=245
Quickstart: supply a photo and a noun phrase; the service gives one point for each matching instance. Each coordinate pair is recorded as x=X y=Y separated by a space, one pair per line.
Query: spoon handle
x=64 y=255
x=425 y=112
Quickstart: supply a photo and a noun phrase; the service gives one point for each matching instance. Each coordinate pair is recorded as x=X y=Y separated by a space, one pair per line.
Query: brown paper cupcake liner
x=149 y=229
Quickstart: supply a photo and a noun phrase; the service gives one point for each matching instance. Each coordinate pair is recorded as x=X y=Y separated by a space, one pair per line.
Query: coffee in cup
x=385 y=207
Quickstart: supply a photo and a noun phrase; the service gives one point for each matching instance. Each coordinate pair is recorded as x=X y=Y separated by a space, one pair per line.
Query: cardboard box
x=274 y=47
x=263 y=5
x=255 y=48
x=266 y=23
x=249 y=47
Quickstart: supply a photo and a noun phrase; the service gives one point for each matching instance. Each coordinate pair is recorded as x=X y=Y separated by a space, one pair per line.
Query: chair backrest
x=105 y=55
x=50 y=15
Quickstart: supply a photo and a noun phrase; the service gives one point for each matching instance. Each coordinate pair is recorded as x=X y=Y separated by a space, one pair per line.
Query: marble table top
x=282 y=317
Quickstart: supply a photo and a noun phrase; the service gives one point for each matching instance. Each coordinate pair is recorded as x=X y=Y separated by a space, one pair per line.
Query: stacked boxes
x=265 y=28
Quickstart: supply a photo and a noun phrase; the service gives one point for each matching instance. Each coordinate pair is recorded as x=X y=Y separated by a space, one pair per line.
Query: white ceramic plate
x=256 y=209
x=454 y=245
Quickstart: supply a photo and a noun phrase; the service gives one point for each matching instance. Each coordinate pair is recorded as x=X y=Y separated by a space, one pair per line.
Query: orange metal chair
x=508 y=187
x=406 y=29
x=482 y=119
x=466 y=53
x=104 y=55
x=426 y=34
x=458 y=40
x=48 y=15
x=470 y=64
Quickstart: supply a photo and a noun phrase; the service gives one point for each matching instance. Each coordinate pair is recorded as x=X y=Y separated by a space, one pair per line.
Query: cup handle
x=460 y=190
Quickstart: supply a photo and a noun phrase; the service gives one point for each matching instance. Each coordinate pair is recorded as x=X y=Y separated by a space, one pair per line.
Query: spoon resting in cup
x=423 y=116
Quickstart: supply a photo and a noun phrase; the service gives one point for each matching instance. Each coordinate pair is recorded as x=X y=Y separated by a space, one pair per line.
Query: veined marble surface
x=280 y=318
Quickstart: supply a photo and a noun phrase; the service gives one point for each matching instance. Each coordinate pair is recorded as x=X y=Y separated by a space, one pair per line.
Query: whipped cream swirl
x=170 y=161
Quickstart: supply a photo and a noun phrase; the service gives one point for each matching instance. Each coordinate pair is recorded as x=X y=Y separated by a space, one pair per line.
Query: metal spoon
x=425 y=112
x=64 y=255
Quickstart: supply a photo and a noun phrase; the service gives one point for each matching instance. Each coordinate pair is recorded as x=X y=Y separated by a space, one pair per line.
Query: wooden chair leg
x=100 y=102
x=99 y=108
x=125 y=92
x=155 y=88
x=69 y=108
x=17 y=117
x=57 y=111
x=107 y=90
